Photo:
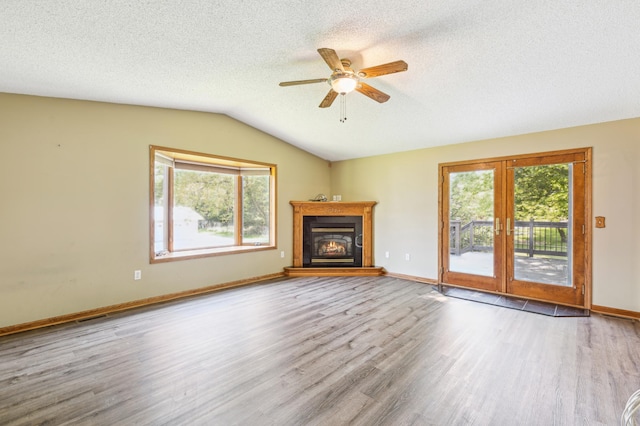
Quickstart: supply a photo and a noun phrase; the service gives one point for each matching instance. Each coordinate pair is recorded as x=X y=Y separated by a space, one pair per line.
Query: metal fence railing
x=530 y=237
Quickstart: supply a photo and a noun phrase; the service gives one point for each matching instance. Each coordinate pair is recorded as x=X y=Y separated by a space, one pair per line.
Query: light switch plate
x=600 y=222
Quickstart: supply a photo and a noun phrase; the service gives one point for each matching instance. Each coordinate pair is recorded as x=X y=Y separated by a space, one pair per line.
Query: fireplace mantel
x=333 y=208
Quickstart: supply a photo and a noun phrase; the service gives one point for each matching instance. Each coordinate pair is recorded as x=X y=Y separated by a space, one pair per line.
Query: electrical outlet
x=137 y=274
x=407 y=256
x=282 y=254
x=386 y=254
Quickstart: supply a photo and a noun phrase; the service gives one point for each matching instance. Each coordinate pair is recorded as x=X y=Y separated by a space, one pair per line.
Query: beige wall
x=74 y=202
x=406 y=187
x=74 y=191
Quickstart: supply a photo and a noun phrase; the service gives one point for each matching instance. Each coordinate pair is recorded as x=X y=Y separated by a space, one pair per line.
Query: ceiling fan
x=344 y=79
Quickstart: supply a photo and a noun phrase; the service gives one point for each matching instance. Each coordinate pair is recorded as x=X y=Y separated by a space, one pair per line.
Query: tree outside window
x=207 y=205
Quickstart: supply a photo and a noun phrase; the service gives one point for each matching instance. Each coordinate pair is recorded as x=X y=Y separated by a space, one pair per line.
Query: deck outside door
x=517 y=226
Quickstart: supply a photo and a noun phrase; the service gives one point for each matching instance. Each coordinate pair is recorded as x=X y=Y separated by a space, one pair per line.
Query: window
x=204 y=205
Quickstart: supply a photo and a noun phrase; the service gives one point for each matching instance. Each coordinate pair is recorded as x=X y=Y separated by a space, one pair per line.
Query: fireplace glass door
x=332 y=244
x=332 y=241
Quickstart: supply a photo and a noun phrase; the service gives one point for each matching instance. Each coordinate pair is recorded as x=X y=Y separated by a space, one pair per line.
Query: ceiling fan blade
x=374 y=94
x=328 y=100
x=390 y=68
x=331 y=58
x=295 y=83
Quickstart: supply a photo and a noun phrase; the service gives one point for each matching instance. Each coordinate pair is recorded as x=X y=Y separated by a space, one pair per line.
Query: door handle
x=509 y=230
x=497 y=226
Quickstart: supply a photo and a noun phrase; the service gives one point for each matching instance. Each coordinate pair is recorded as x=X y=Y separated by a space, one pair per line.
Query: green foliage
x=159 y=179
x=542 y=193
x=471 y=196
x=212 y=195
x=255 y=205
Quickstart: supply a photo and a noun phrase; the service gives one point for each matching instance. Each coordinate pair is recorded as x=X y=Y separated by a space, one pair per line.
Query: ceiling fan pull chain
x=343 y=108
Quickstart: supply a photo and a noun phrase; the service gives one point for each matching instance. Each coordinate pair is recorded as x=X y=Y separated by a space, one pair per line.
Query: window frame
x=208 y=161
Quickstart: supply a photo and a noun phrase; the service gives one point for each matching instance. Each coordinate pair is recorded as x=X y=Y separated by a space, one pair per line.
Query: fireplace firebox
x=341 y=243
x=330 y=241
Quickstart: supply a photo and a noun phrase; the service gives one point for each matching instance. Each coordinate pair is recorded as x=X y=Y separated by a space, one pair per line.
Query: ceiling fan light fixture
x=343 y=83
x=345 y=80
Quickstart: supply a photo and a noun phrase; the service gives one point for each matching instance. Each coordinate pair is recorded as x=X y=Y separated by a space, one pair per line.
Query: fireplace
x=332 y=241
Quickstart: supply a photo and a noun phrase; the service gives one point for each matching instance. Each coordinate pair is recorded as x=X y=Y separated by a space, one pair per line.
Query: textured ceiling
x=477 y=69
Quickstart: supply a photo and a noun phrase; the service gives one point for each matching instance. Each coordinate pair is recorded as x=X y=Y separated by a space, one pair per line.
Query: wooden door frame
x=588 y=214
x=480 y=282
x=573 y=295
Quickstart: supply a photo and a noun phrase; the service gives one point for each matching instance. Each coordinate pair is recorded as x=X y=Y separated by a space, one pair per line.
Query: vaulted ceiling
x=477 y=69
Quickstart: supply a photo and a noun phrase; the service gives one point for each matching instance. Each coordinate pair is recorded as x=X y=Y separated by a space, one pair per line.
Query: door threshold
x=526 y=305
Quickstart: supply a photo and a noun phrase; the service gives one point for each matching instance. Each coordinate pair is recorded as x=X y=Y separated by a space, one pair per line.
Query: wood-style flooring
x=322 y=351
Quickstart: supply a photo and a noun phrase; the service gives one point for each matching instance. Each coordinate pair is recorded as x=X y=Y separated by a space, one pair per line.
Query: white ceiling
x=477 y=68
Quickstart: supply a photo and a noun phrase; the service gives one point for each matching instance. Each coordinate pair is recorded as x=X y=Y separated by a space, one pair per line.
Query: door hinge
x=583 y=230
x=583 y=289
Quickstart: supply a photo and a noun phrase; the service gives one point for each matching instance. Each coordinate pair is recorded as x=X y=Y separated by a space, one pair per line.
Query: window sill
x=197 y=254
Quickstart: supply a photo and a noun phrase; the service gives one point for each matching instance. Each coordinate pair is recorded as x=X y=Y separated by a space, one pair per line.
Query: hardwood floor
x=322 y=351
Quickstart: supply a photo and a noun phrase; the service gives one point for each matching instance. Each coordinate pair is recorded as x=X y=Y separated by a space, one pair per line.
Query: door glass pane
x=471 y=215
x=542 y=231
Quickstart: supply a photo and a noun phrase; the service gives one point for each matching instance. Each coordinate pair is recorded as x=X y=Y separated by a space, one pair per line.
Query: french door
x=518 y=225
